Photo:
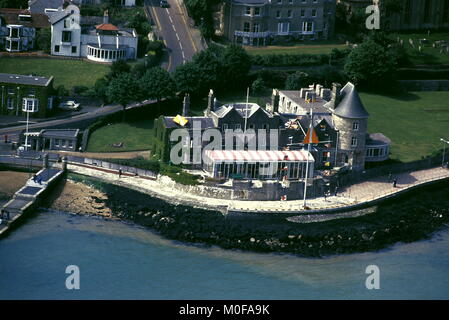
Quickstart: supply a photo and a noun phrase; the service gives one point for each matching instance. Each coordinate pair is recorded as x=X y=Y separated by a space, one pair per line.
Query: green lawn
x=69 y=73
x=428 y=54
x=136 y=135
x=312 y=48
x=414 y=121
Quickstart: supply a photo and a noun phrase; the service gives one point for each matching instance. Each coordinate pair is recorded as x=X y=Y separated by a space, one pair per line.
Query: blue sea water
x=119 y=260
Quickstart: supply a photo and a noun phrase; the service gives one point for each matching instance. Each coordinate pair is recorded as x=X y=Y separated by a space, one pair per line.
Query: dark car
x=164 y=4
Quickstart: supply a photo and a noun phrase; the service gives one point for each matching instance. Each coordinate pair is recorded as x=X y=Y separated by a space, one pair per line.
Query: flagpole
x=308 y=152
x=246 y=111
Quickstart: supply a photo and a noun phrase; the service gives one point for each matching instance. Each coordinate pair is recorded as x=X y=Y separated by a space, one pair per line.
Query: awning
x=258 y=156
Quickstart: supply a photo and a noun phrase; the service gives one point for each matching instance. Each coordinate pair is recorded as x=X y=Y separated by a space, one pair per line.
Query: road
x=173 y=28
x=13 y=132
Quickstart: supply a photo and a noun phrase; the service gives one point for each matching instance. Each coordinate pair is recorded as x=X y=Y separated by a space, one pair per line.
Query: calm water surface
x=118 y=260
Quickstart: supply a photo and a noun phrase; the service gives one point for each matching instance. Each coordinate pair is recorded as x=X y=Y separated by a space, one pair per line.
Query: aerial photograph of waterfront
x=224 y=150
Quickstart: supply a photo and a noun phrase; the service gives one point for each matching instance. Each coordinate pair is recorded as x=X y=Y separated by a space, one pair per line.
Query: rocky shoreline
x=416 y=216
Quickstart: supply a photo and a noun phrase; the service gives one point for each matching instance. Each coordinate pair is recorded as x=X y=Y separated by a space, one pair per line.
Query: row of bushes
x=288 y=60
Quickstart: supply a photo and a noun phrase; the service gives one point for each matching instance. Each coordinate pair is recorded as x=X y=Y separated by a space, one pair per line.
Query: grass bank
x=68 y=73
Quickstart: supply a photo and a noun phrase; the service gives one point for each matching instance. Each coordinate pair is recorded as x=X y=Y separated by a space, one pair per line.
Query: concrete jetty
x=28 y=197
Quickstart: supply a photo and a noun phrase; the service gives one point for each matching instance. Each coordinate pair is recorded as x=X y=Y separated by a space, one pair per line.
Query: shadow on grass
x=403 y=96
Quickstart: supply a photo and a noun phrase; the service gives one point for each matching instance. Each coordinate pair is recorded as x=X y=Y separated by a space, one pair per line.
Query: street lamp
x=26 y=131
x=444 y=150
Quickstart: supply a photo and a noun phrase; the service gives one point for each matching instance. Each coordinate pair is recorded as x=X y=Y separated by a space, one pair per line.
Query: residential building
x=25 y=93
x=101 y=43
x=260 y=22
x=52 y=139
x=419 y=15
x=18 y=29
x=340 y=121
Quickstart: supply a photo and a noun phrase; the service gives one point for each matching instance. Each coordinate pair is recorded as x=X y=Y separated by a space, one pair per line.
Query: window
x=279 y=1
x=66 y=36
x=14 y=33
x=252 y=126
x=56 y=142
x=238 y=126
x=225 y=127
x=266 y=126
x=248 y=11
x=303 y=13
x=32 y=92
x=56 y=48
x=70 y=144
x=246 y=27
x=50 y=103
x=290 y=1
x=278 y=14
x=256 y=27
x=30 y=105
x=63 y=143
x=10 y=90
x=313 y=12
x=283 y=27
x=74 y=49
x=289 y=13
x=257 y=11
x=307 y=27
x=10 y=103
x=354 y=142
x=355 y=126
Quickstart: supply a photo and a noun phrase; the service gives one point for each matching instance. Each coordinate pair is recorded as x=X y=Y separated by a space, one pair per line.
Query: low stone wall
x=425 y=85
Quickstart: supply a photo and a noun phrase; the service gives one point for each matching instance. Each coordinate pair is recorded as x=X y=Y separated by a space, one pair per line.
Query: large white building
x=101 y=43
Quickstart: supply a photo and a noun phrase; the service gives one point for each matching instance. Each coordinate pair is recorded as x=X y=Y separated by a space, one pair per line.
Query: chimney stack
x=275 y=100
x=210 y=102
x=106 y=17
x=186 y=105
x=336 y=88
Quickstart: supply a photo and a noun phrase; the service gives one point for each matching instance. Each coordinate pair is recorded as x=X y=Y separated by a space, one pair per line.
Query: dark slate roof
x=60 y=133
x=377 y=139
x=350 y=105
x=206 y=122
x=11 y=16
x=242 y=109
x=39 y=6
x=58 y=16
x=23 y=79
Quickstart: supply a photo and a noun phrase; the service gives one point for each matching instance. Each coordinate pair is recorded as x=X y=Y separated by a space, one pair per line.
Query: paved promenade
x=350 y=198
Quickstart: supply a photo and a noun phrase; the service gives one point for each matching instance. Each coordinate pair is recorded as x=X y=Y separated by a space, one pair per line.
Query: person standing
x=394 y=182
x=119 y=173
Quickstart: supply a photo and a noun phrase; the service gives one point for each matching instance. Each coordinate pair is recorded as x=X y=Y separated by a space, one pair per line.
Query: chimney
x=336 y=87
x=106 y=17
x=210 y=102
x=186 y=105
x=275 y=100
x=318 y=90
x=326 y=94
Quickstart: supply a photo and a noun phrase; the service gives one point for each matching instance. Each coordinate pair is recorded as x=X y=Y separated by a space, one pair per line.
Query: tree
x=236 y=64
x=118 y=68
x=371 y=64
x=43 y=40
x=157 y=83
x=258 y=87
x=124 y=89
x=297 y=80
x=209 y=62
x=187 y=78
x=19 y=4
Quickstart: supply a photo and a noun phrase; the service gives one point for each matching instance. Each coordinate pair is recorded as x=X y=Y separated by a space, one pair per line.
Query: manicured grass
x=135 y=135
x=69 y=73
x=296 y=49
x=414 y=121
x=428 y=54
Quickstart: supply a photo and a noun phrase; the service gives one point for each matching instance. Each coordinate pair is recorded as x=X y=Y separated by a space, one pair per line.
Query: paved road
x=173 y=27
x=13 y=132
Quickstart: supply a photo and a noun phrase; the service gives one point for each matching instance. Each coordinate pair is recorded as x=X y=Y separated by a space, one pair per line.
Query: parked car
x=164 y=4
x=69 y=105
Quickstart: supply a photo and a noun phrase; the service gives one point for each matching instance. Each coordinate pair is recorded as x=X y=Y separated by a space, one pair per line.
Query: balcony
x=252 y=34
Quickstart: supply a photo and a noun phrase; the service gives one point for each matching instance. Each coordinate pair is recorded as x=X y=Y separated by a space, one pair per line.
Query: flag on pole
x=311 y=137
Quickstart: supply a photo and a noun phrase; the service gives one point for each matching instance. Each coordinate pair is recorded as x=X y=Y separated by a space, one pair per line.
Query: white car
x=69 y=105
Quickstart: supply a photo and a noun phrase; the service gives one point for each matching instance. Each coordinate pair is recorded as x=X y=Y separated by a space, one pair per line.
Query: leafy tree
x=19 y=4
x=258 y=87
x=297 y=80
x=236 y=64
x=187 y=78
x=43 y=40
x=157 y=83
x=124 y=89
x=210 y=64
x=371 y=64
x=117 y=68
